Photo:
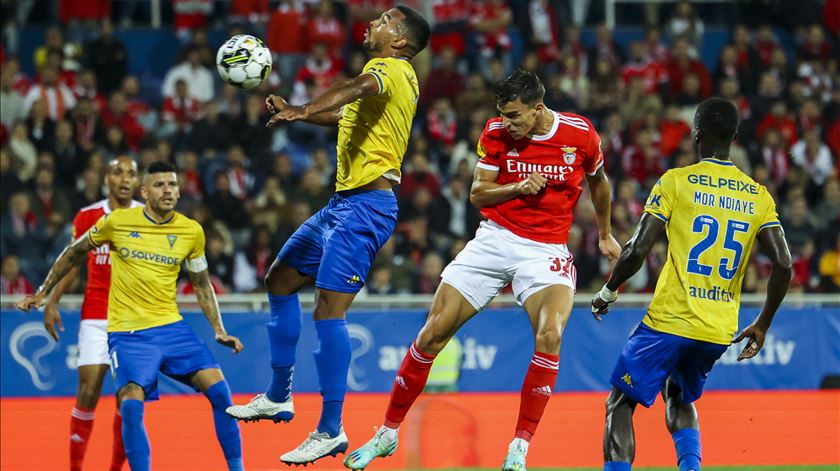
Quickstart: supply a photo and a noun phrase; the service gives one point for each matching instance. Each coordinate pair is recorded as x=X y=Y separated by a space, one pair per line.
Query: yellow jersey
x=713 y=213
x=146 y=259
x=373 y=131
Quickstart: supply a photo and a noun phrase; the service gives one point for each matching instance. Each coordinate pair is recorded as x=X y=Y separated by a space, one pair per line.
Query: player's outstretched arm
x=601 y=194
x=72 y=256
x=52 y=318
x=340 y=94
x=275 y=104
x=632 y=256
x=210 y=307
x=773 y=244
x=486 y=192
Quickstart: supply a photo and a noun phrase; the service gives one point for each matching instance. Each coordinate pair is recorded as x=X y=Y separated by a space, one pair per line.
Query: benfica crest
x=569 y=155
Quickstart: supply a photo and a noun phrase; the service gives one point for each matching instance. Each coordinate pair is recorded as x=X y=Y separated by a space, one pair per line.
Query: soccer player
x=93 y=363
x=533 y=161
x=712 y=214
x=146 y=333
x=336 y=246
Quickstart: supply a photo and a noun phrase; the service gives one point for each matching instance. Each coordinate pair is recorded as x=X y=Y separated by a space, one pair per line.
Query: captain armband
x=197 y=265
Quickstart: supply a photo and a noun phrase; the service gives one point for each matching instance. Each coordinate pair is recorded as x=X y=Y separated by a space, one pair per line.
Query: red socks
x=81 y=425
x=117 y=450
x=409 y=383
x=536 y=390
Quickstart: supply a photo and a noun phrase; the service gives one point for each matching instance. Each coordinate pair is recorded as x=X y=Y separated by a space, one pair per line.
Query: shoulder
x=570 y=124
x=495 y=136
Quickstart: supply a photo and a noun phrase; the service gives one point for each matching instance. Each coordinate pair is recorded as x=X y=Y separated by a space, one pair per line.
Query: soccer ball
x=243 y=61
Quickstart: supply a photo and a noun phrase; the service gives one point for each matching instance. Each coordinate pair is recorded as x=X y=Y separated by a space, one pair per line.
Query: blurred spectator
x=765 y=42
x=686 y=24
x=49 y=202
x=210 y=132
x=117 y=115
x=813 y=156
x=251 y=134
x=253 y=264
x=268 y=205
x=241 y=180
x=672 y=130
x=815 y=46
x=12 y=105
x=253 y=12
x=542 y=30
x=774 y=156
x=444 y=81
x=379 y=281
x=653 y=75
x=192 y=72
x=219 y=263
x=798 y=224
x=606 y=47
x=87 y=126
x=682 y=64
x=489 y=20
x=90 y=192
x=69 y=158
x=23 y=235
x=748 y=62
x=226 y=207
x=428 y=279
x=829 y=267
x=136 y=105
x=81 y=15
x=286 y=37
x=442 y=123
x=179 y=111
x=57 y=96
x=779 y=119
x=9 y=181
x=828 y=209
x=23 y=153
x=325 y=28
x=108 y=58
x=419 y=175
x=320 y=69
x=190 y=15
x=41 y=126
x=449 y=24
x=86 y=87
x=311 y=190
x=11 y=279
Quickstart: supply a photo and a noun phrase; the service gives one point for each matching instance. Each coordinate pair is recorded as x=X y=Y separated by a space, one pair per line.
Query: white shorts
x=93 y=342
x=497 y=256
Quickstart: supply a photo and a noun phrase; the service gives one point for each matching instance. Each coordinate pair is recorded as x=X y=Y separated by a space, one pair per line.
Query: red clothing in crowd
x=287 y=31
x=671 y=133
x=19 y=285
x=786 y=125
x=191 y=14
x=490 y=11
x=651 y=73
x=449 y=16
x=677 y=72
x=328 y=31
x=83 y=10
x=132 y=130
x=181 y=110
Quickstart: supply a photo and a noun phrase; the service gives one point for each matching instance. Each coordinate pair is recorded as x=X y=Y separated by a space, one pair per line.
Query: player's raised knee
x=548 y=340
x=433 y=338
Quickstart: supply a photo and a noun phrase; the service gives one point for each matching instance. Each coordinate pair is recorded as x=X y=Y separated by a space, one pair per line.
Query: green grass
x=825 y=467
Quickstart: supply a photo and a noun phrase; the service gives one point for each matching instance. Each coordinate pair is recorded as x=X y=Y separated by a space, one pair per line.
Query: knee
x=131 y=391
x=87 y=396
x=548 y=340
x=274 y=284
x=433 y=338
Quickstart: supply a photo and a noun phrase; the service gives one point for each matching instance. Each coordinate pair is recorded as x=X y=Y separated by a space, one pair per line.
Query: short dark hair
x=160 y=167
x=717 y=119
x=522 y=85
x=417 y=28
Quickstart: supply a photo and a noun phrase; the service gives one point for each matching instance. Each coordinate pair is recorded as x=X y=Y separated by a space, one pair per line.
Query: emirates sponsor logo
x=543 y=390
x=551 y=172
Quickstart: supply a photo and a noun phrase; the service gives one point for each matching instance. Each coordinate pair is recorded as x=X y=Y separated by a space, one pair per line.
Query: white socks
x=389 y=434
x=519 y=444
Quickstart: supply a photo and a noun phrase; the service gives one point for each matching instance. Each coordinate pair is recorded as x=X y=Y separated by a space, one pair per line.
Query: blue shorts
x=338 y=244
x=650 y=357
x=173 y=349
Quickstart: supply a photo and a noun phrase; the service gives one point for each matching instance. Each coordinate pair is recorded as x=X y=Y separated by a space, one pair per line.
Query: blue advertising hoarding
x=802 y=348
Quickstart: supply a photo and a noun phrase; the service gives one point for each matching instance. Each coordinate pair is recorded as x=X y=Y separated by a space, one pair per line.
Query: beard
x=368 y=45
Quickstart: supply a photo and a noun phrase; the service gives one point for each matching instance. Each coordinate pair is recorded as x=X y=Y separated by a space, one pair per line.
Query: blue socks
x=332 y=360
x=687 y=444
x=617 y=466
x=283 y=332
x=227 y=430
x=135 y=440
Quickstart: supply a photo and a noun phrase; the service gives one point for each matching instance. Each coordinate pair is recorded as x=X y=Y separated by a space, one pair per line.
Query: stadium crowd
x=250 y=186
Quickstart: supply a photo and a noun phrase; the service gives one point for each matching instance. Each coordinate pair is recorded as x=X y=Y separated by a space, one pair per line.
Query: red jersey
x=569 y=149
x=95 y=305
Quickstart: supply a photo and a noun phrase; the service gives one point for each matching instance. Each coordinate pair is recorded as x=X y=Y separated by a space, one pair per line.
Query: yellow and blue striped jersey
x=373 y=131
x=713 y=213
x=146 y=259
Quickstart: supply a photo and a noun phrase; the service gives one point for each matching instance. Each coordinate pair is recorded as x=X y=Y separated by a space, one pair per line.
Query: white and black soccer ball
x=243 y=61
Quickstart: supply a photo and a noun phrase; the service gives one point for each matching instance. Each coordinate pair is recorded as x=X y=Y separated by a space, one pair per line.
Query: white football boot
x=318 y=445
x=262 y=408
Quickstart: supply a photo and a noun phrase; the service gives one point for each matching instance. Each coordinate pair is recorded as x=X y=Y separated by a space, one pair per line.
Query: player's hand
x=601 y=303
x=275 y=104
x=532 y=185
x=32 y=301
x=609 y=247
x=289 y=113
x=229 y=341
x=755 y=334
x=52 y=321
